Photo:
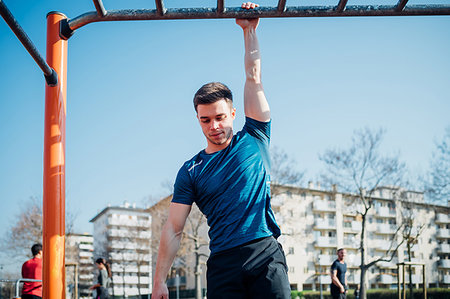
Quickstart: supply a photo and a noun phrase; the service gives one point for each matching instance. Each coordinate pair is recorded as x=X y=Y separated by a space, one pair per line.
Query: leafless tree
x=361 y=169
x=192 y=244
x=27 y=230
x=195 y=233
x=438 y=183
x=283 y=168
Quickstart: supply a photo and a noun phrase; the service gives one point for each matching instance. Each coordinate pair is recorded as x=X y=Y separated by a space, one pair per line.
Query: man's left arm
x=255 y=102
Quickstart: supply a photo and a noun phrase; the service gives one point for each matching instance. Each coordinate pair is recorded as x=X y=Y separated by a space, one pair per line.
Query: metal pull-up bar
x=59 y=30
x=279 y=11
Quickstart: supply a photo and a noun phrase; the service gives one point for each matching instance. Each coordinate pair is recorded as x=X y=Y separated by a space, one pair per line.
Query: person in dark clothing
x=338 y=281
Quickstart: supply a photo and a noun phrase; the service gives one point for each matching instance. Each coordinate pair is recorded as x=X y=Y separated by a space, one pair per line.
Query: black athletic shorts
x=254 y=270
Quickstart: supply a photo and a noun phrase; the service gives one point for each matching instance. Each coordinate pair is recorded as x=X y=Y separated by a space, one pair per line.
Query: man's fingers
x=249 y=5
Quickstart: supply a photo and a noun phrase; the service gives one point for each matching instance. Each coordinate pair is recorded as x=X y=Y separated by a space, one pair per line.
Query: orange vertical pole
x=54 y=164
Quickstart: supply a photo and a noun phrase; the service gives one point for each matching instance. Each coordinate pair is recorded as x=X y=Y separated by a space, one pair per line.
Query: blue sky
x=130 y=121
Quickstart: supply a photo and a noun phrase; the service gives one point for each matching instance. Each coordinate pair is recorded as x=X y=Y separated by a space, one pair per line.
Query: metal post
x=177 y=283
x=54 y=164
x=424 y=283
x=398 y=282
x=404 y=282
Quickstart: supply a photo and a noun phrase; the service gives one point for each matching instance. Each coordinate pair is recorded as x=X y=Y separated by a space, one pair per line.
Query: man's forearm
x=168 y=247
x=255 y=102
x=252 y=56
x=336 y=282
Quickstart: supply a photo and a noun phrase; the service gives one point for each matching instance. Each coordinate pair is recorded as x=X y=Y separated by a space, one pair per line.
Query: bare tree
x=195 y=233
x=438 y=183
x=412 y=228
x=27 y=230
x=193 y=243
x=361 y=169
x=283 y=170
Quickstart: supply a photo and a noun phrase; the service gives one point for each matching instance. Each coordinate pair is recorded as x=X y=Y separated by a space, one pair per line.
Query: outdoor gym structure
x=60 y=29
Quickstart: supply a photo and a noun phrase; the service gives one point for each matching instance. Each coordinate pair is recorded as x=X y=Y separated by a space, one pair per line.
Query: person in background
x=356 y=291
x=32 y=269
x=338 y=281
x=103 y=279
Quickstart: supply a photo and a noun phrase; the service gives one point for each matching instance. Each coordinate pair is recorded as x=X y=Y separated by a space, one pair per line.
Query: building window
x=291 y=250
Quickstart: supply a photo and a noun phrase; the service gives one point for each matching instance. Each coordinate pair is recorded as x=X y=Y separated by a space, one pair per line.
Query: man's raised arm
x=255 y=102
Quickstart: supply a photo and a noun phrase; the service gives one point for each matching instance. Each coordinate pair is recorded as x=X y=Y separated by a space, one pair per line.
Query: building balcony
x=444 y=248
x=352 y=227
x=384 y=245
x=352 y=243
x=325 y=260
x=353 y=261
x=89 y=247
x=324 y=206
x=325 y=242
x=324 y=279
x=326 y=224
x=386 y=279
x=444 y=264
x=352 y=209
x=388 y=265
x=443 y=233
x=86 y=254
x=385 y=229
x=442 y=218
x=385 y=212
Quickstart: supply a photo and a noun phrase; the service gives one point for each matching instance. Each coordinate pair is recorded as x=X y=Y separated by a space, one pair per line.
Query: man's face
x=342 y=254
x=216 y=120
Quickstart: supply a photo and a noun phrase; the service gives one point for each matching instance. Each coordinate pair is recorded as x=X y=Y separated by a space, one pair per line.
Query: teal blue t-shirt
x=232 y=188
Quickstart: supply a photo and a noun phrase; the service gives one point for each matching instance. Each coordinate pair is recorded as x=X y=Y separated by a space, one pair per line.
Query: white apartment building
x=79 y=254
x=316 y=222
x=122 y=236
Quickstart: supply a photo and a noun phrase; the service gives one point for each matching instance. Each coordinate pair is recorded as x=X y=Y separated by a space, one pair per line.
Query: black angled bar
x=101 y=12
x=50 y=75
x=160 y=7
x=401 y=5
x=220 y=6
x=341 y=5
x=281 y=5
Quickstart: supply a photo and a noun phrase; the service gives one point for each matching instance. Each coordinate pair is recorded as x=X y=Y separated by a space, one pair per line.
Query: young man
x=33 y=269
x=229 y=181
x=338 y=281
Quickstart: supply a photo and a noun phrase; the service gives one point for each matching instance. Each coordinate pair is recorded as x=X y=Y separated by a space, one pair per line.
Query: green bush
x=295 y=294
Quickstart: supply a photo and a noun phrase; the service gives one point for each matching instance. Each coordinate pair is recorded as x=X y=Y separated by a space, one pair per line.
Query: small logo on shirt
x=195 y=164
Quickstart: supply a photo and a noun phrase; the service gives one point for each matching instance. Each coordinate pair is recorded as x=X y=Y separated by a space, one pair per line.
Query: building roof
x=120 y=208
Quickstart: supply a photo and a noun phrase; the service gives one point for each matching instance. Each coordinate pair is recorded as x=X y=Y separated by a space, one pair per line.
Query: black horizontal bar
x=261 y=12
x=49 y=73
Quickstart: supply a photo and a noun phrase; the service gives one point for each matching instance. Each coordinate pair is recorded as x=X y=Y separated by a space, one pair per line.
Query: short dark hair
x=211 y=93
x=36 y=248
x=340 y=249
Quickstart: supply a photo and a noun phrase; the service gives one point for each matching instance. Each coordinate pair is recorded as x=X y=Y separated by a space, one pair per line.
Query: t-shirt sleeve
x=183 y=189
x=259 y=130
x=334 y=266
